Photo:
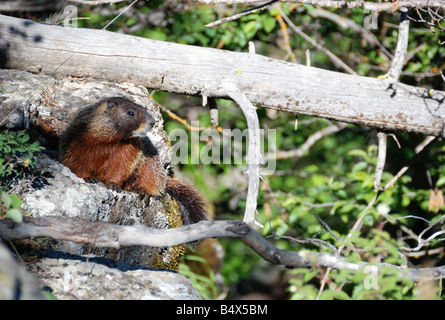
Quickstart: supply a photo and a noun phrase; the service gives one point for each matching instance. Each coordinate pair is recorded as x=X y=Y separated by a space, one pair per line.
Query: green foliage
x=16 y=155
x=340 y=198
x=16 y=151
x=206 y=285
x=10 y=206
x=346 y=285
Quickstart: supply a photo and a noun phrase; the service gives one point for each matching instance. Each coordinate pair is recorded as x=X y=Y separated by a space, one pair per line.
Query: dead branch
x=429 y=8
x=402 y=46
x=253 y=151
x=341 y=4
x=33 y=6
x=48 y=49
x=103 y=234
x=310 y=141
x=381 y=159
x=242 y=14
x=88 y=2
x=335 y=60
x=350 y=24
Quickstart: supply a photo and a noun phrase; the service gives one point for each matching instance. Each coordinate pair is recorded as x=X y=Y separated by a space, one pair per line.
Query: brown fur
x=107 y=141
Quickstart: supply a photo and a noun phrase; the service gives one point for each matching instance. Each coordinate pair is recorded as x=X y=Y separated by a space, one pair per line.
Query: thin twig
x=335 y=60
x=310 y=141
x=287 y=45
x=420 y=241
x=242 y=14
x=184 y=122
x=381 y=159
x=344 y=22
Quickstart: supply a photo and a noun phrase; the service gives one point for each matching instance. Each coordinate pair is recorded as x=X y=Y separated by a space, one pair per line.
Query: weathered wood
x=9 y=6
x=102 y=234
x=109 y=235
x=271 y=83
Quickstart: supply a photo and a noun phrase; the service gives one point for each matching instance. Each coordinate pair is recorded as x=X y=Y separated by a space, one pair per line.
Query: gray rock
x=69 y=277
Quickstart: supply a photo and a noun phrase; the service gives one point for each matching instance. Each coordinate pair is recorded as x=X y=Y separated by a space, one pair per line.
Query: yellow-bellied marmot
x=107 y=141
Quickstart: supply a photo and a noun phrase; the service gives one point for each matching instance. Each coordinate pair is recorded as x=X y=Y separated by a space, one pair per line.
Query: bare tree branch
x=33 y=6
x=351 y=24
x=423 y=242
x=422 y=7
x=341 y=4
x=381 y=159
x=191 y=70
x=242 y=14
x=335 y=60
x=402 y=47
x=88 y=2
x=103 y=234
x=253 y=151
x=310 y=141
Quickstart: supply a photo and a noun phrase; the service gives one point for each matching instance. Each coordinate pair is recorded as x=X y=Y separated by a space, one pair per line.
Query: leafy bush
x=16 y=154
x=16 y=151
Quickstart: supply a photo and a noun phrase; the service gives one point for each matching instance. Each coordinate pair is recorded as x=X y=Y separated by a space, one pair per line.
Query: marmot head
x=119 y=118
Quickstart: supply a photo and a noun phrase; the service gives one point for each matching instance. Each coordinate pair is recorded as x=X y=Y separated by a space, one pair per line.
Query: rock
x=15 y=281
x=69 y=277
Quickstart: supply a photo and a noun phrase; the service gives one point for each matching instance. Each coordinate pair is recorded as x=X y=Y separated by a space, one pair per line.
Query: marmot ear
x=103 y=105
x=112 y=104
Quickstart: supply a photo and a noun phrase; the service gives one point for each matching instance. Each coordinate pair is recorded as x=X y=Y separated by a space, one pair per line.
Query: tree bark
x=9 y=6
x=103 y=234
x=271 y=83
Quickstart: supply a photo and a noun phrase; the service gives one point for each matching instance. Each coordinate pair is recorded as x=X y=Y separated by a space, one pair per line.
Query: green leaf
x=195 y=258
x=359 y=166
x=16 y=202
x=131 y=22
x=155 y=34
x=6 y=199
x=24 y=139
x=250 y=27
x=440 y=182
x=15 y=214
x=269 y=23
x=359 y=153
x=291 y=201
x=331 y=295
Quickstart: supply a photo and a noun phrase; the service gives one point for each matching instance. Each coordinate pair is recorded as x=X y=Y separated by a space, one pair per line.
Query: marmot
x=107 y=141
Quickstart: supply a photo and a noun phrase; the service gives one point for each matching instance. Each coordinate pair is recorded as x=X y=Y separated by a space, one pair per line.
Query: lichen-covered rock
x=82 y=277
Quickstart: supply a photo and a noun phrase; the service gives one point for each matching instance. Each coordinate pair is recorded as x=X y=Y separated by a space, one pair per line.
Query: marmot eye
x=131 y=113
